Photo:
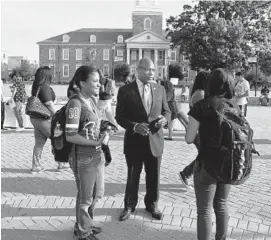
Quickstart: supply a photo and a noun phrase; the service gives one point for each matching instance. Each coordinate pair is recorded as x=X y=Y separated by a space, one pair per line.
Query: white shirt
x=148 y=93
x=241 y=87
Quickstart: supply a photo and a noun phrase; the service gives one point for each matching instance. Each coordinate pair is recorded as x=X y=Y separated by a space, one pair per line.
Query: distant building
x=14 y=62
x=106 y=47
x=4 y=57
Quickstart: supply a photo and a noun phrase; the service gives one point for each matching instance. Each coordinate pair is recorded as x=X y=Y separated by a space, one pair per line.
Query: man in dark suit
x=142 y=110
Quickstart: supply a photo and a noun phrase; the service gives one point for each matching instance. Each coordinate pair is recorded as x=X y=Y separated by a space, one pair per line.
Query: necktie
x=145 y=98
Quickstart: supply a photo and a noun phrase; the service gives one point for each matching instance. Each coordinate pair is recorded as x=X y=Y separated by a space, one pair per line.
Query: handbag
x=36 y=109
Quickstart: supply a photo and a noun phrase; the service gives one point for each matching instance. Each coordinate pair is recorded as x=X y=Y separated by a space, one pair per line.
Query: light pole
x=256 y=80
x=113 y=56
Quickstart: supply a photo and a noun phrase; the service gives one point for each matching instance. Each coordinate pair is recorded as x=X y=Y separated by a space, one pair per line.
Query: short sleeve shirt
x=240 y=89
x=20 y=95
x=83 y=119
x=46 y=93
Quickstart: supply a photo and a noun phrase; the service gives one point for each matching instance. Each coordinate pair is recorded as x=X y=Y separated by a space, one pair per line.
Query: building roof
x=103 y=36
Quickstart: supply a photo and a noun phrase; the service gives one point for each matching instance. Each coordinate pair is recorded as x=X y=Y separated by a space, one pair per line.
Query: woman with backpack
x=210 y=192
x=86 y=160
x=197 y=93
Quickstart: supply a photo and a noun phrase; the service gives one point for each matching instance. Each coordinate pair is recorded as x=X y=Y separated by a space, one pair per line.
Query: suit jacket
x=130 y=110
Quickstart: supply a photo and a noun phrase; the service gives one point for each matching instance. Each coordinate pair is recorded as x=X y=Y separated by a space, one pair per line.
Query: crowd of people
x=144 y=108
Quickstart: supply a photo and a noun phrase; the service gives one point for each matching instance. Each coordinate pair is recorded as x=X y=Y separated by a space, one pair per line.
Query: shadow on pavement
x=111 y=231
x=262 y=141
x=14 y=170
x=67 y=188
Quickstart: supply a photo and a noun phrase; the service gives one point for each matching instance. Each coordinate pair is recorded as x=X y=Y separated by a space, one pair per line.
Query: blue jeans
x=88 y=171
x=42 y=131
x=209 y=195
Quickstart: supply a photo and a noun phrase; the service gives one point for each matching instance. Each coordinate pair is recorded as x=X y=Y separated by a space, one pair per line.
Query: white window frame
x=145 y=21
x=106 y=54
x=92 y=38
x=104 y=72
x=63 y=53
x=133 y=55
x=77 y=66
x=120 y=52
x=94 y=55
x=79 y=53
x=120 y=39
x=170 y=52
x=63 y=67
x=54 y=67
x=52 y=54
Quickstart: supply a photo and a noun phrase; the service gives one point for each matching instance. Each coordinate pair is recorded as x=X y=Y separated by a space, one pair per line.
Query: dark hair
x=220 y=84
x=238 y=74
x=42 y=75
x=200 y=82
x=15 y=72
x=81 y=75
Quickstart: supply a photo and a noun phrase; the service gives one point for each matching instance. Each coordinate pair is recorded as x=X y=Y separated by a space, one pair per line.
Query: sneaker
x=37 y=169
x=90 y=237
x=63 y=166
x=184 y=179
x=19 y=129
x=4 y=129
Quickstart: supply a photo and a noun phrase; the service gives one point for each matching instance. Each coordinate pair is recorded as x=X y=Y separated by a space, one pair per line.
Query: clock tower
x=147 y=16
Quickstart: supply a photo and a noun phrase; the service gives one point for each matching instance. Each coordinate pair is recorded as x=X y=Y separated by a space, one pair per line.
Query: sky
x=24 y=23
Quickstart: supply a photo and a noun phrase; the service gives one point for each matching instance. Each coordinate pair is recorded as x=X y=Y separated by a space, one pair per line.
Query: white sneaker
x=19 y=129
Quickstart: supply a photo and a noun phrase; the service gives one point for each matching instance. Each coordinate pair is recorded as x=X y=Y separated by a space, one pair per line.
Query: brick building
x=107 y=47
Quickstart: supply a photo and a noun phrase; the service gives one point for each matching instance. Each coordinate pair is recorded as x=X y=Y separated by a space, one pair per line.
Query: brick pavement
x=42 y=206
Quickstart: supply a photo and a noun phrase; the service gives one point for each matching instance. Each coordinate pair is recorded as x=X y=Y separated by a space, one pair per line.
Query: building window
x=147 y=24
x=65 y=38
x=173 y=55
x=120 y=52
x=106 y=70
x=106 y=54
x=66 y=70
x=52 y=54
x=92 y=54
x=65 y=54
x=133 y=54
x=78 y=54
x=52 y=66
x=120 y=39
x=77 y=66
x=160 y=55
x=93 y=39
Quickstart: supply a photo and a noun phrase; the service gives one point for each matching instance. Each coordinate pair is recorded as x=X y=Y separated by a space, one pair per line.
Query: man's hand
x=142 y=129
x=162 y=122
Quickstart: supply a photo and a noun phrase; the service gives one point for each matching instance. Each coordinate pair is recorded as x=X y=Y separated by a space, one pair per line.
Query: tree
x=121 y=71
x=220 y=33
x=175 y=71
x=250 y=76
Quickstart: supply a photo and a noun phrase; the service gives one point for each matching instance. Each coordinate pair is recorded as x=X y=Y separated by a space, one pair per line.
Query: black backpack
x=61 y=149
x=230 y=160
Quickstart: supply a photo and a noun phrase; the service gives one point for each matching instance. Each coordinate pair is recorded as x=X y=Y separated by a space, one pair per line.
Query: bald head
x=145 y=62
x=145 y=70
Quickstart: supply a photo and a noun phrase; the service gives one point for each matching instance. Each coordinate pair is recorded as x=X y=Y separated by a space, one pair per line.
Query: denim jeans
x=42 y=131
x=88 y=172
x=2 y=114
x=210 y=194
x=18 y=111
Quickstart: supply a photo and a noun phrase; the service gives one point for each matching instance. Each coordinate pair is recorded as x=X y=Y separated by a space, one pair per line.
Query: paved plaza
x=41 y=206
